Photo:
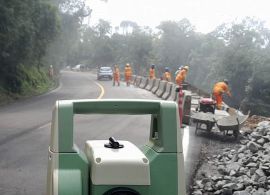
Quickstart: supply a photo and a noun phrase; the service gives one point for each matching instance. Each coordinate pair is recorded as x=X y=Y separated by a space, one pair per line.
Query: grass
x=33 y=81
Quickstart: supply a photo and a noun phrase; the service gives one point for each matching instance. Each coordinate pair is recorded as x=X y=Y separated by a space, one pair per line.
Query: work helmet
x=186 y=67
x=127 y=64
x=226 y=81
x=180 y=68
x=166 y=69
x=153 y=66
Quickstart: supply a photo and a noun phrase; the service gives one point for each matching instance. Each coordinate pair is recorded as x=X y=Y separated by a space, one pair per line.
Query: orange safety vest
x=220 y=88
x=167 y=76
x=116 y=74
x=152 y=74
x=181 y=76
x=128 y=72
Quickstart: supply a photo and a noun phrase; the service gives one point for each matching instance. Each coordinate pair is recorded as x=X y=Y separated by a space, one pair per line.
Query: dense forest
x=37 y=33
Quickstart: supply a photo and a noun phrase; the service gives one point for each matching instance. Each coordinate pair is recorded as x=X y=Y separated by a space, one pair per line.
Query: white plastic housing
x=124 y=166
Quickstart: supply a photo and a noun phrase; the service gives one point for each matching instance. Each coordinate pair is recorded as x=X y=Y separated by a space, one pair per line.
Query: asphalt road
x=25 y=131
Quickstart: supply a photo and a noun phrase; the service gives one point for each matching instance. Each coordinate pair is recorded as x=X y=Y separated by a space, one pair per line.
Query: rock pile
x=245 y=171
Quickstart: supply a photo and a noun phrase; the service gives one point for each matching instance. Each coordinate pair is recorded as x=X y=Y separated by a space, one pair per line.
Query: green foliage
x=205 y=62
x=27 y=28
x=33 y=80
x=65 y=50
x=37 y=33
x=29 y=81
x=175 y=43
x=236 y=51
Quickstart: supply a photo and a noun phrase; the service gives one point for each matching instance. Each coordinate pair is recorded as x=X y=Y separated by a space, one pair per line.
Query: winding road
x=25 y=130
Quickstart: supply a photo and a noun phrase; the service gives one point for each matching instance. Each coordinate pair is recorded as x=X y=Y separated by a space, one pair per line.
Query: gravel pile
x=243 y=171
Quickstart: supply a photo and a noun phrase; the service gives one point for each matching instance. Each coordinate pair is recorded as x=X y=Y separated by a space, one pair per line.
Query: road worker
x=181 y=76
x=167 y=75
x=128 y=74
x=152 y=74
x=116 y=75
x=219 y=89
x=178 y=70
x=51 y=72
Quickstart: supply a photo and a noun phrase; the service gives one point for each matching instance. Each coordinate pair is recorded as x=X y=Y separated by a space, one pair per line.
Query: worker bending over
x=167 y=75
x=181 y=76
x=219 y=89
x=116 y=75
x=128 y=74
x=152 y=74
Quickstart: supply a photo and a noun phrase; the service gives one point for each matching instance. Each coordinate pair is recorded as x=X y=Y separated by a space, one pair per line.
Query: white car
x=76 y=68
x=105 y=72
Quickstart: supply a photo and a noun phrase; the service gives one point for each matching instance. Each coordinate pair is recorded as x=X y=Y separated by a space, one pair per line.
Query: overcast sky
x=205 y=15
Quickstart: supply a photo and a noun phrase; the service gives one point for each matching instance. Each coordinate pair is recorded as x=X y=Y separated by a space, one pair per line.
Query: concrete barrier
x=144 y=82
x=173 y=93
x=194 y=101
x=137 y=81
x=185 y=86
x=156 y=85
x=187 y=107
x=133 y=78
x=161 y=88
x=150 y=85
x=168 y=91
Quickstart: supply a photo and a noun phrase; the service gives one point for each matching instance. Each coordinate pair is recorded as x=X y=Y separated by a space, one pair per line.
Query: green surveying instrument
x=116 y=167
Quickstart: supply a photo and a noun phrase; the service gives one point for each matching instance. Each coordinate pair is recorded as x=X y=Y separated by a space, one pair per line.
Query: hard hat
x=50 y=66
x=180 y=68
x=167 y=68
x=127 y=64
x=153 y=66
x=186 y=67
x=226 y=81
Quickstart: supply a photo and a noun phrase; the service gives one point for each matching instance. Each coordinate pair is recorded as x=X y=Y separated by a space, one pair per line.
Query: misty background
x=35 y=34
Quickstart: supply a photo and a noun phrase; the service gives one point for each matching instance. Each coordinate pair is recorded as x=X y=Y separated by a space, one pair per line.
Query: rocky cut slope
x=238 y=168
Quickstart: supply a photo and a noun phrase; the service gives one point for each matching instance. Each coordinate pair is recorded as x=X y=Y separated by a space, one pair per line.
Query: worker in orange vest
x=116 y=75
x=167 y=75
x=178 y=70
x=128 y=74
x=51 y=72
x=152 y=74
x=219 y=89
x=181 y=76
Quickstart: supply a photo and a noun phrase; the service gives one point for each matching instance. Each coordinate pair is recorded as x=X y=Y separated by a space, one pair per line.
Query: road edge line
x=102 y=90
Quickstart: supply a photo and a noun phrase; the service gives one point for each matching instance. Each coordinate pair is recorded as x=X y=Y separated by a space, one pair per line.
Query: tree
x=128 y=26
x=27 y=28
x=65 y=49
x=244 y=40
x=205 y=61
x=175 y=43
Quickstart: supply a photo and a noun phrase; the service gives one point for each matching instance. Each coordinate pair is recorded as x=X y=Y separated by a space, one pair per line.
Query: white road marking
x=44 y=126
x=185 y=142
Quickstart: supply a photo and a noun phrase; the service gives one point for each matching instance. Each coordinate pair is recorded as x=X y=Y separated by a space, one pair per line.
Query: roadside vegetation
x=37 y=33
x=33 y=81
x=30 y=31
